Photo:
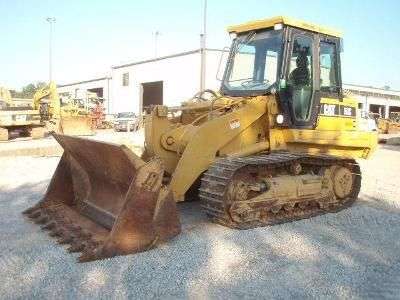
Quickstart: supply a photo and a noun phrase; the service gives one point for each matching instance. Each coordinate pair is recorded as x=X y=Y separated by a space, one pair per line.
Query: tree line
x=28 y=91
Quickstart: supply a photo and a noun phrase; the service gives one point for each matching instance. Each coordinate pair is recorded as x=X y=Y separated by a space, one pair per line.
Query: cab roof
x=267 y=23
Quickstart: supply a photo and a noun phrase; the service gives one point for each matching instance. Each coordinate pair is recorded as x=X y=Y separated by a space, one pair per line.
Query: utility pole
x=156 y=35
x=51 y=21
x=203 y=48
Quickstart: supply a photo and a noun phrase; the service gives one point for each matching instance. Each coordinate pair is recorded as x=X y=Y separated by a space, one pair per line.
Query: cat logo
x=329 y=109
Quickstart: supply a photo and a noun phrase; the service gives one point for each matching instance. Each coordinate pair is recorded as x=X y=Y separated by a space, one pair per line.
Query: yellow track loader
x=66 y=119
x=278 y=143
x=387 y=126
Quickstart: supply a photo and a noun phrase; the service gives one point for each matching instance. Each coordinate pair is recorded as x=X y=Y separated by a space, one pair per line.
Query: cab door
x=301 y=94
x=336 y=112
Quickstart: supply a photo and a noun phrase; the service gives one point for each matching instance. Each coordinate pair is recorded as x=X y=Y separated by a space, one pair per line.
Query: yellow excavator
x=66 y=119
x=277 y=143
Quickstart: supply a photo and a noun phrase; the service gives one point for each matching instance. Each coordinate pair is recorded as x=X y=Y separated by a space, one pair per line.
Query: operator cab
x=297 y=61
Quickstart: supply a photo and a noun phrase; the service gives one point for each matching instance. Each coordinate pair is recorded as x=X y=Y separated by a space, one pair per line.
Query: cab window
x=300 y=77
x=328 y=69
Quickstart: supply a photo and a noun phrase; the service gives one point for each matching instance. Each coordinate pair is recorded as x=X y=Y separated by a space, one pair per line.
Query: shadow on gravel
x=350 y=254
x=391 y=147
x=354 y=253
x=34 y=265
x=377 y=203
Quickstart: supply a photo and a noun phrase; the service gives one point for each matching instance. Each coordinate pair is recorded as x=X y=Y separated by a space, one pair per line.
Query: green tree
x=29 y=90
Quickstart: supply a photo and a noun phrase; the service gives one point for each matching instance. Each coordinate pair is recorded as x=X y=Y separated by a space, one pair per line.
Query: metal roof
x=372 y=91
x=156 y=59
x=267 y=23
x=83 y=81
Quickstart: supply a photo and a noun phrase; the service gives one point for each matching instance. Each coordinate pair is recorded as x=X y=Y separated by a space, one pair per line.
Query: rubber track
x=216 y=179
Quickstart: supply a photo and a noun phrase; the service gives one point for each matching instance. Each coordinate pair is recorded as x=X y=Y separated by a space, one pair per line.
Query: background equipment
x=70 y=118
x=18 y=119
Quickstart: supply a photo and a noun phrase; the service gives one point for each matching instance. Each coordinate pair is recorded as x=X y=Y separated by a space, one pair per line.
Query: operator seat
x=300 y=82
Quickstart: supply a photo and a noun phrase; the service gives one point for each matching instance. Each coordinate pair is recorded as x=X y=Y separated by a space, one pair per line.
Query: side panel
x=208 y=139
x=335 y=114
x=354 y=144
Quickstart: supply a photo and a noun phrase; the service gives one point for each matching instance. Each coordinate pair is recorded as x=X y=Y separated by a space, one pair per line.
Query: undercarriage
x=275 y=188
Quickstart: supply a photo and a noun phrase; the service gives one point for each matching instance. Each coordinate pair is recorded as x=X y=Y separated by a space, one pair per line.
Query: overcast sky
x=90 y=36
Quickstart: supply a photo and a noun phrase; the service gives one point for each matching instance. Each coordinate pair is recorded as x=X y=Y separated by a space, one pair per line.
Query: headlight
x=279 y=119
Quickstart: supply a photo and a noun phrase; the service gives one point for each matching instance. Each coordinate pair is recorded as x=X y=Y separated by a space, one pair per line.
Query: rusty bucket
x=104 y=201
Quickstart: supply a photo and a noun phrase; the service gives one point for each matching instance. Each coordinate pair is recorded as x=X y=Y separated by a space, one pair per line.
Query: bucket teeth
x=85 y=234
x=75 y=228
x=49 y=226
x=56 y=232
x=42 y=219
x=76 y=247
x=87 y=256
x=60 y=219
x=66 y=239
x=89 y=253
x=35 y=214
x=29 y=210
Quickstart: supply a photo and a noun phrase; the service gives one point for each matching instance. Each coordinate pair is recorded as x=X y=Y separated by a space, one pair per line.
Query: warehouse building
x=375 y=100
x=79 y=90
x=171 y=79
x=165 y=80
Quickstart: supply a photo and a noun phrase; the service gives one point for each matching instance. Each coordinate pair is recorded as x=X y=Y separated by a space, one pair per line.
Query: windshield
x=253 y=64
x=126 y=115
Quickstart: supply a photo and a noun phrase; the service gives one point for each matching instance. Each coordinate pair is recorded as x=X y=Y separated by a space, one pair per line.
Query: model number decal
x=234 y=124
x=348 y=111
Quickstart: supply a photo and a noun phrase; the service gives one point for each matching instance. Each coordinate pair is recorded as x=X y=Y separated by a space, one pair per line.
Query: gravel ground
x=352 y=254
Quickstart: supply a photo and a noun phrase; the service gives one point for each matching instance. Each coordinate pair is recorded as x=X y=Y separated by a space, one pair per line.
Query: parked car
x=122 y=120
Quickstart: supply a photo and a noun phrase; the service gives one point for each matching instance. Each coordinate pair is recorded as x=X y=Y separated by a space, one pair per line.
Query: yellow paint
x=191 y=137
x=5 y=96
x=50 y=93
x=338 y=122
x=269 y=23
x=198 y=145
x=187 y=150
x=69 y=119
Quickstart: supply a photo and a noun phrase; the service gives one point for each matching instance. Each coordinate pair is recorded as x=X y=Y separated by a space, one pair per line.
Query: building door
x=98 y=91
x=377 y=109
x=152 y=94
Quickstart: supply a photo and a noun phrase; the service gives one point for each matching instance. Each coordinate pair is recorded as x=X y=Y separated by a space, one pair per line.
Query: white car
x=122 y=120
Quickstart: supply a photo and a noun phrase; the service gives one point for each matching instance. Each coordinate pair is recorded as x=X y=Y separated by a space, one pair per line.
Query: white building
x=78 y=90
x=172 y=79
x=165 y=80
x=375 y=100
